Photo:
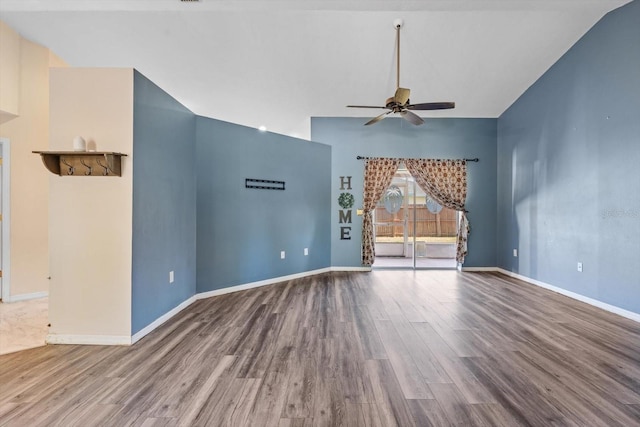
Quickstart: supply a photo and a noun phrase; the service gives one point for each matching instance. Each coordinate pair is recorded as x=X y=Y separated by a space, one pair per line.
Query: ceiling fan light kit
x=399 y=102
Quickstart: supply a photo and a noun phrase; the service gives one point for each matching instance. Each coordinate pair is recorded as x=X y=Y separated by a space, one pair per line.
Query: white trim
x=26 y=297
x=260 y=283
x=160 y=320
x=472 y=269
x=594 y=302
x=350 y=268
x=88 y=339
x=5 y=289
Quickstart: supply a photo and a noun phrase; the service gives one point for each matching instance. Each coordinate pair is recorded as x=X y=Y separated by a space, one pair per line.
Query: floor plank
x=407 y=373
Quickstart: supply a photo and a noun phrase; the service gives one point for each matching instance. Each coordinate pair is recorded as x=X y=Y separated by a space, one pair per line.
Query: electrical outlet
x=306 y=251
x=171 y=276
x=281 y=254
x=515 y=253
x=580 y=267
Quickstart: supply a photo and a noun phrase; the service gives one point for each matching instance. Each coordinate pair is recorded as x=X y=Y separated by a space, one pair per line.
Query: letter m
x=345 y=216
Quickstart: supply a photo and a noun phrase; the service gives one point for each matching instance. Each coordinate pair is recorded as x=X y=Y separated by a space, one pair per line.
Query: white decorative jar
x=79 y=144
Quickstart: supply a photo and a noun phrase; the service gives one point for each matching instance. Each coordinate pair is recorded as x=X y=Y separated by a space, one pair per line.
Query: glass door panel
x=391 y=223
x=435 y=231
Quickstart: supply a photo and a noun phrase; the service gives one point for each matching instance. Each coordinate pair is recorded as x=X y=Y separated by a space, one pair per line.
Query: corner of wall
x=9 y=73
x=24 y=85
x=560 y=201
x=90 y=227
x=164 y=204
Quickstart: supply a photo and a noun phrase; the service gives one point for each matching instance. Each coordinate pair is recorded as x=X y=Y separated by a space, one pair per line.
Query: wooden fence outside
x=442 y=224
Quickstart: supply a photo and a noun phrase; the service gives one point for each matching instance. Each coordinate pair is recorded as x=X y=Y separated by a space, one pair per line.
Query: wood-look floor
x=355 y=349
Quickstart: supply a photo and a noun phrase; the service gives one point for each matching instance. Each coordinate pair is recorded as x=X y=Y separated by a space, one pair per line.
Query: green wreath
x=346 y=200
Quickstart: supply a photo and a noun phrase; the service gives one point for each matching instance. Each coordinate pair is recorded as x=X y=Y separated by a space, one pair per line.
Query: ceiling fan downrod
x=398 y=24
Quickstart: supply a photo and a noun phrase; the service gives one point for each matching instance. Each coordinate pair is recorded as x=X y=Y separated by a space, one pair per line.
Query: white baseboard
x=202 y=295
x=350 y=268
x=260 y=283
x=88 y=339
x=26 y=297
x=160 y=320
x=594 y=302
x=472 y=269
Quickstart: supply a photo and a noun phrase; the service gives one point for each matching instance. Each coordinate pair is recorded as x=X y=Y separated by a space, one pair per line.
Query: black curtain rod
x=396 y=158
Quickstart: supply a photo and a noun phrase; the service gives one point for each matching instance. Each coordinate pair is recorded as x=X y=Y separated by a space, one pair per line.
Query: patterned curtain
x=378 y=174
x=446 y=182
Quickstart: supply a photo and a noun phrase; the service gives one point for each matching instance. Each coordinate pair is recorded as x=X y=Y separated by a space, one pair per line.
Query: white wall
x=9 y=72
x=90 y=219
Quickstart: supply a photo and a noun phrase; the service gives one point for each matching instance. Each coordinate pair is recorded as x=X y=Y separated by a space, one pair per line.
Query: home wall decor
x=345 y=201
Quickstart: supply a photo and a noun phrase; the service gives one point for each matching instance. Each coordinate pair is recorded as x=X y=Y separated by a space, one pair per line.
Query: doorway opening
x=5 y=157
x=411 y=230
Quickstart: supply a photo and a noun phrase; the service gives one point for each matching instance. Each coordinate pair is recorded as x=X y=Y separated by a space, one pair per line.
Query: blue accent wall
x=569 y=168
x=241 y=231
x=164 y=203
x=437 y=138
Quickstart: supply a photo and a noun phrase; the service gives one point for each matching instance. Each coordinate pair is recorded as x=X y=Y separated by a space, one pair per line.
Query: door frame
x=410 y=200
x=5 y=281
x=408 y=185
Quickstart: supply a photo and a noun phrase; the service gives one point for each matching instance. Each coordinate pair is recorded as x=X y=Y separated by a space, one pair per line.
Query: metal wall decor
x=433 y=206
x=346 y=200
x=393 y=199
x=263 y=184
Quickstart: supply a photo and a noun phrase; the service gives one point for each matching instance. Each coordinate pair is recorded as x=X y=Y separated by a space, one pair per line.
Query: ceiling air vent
x=189 y=1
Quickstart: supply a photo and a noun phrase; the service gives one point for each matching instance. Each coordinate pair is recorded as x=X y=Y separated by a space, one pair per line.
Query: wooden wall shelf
x=82 y=163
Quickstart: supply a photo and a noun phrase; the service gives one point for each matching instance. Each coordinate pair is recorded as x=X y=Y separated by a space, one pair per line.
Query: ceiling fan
x=399 y=102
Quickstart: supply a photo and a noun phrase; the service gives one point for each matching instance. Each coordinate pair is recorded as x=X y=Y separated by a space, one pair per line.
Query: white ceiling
x=279 y=62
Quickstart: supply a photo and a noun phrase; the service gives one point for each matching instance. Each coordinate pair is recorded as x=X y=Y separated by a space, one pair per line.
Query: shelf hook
x=106 y=169
x=89 y=168
x=71 y=168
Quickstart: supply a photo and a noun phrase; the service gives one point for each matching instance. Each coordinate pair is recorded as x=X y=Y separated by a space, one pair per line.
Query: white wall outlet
x=580 y=267
x=281 y=254
x=171 y=276
x=515 y=253
x=306 y=251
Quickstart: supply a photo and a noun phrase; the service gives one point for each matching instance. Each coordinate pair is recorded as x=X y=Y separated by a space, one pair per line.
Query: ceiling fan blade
x=402 y=95
x=432 y=106
x=363 y=106
x=377 y=119
x=412 y=118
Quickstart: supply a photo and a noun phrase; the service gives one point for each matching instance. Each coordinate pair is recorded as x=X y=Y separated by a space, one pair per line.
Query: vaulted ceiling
x=279 y=62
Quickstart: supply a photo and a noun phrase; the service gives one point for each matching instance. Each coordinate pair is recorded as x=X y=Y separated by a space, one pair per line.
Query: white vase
x=79 y=144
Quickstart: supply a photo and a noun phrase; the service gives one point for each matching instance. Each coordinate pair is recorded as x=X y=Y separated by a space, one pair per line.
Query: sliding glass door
x=411 y=230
